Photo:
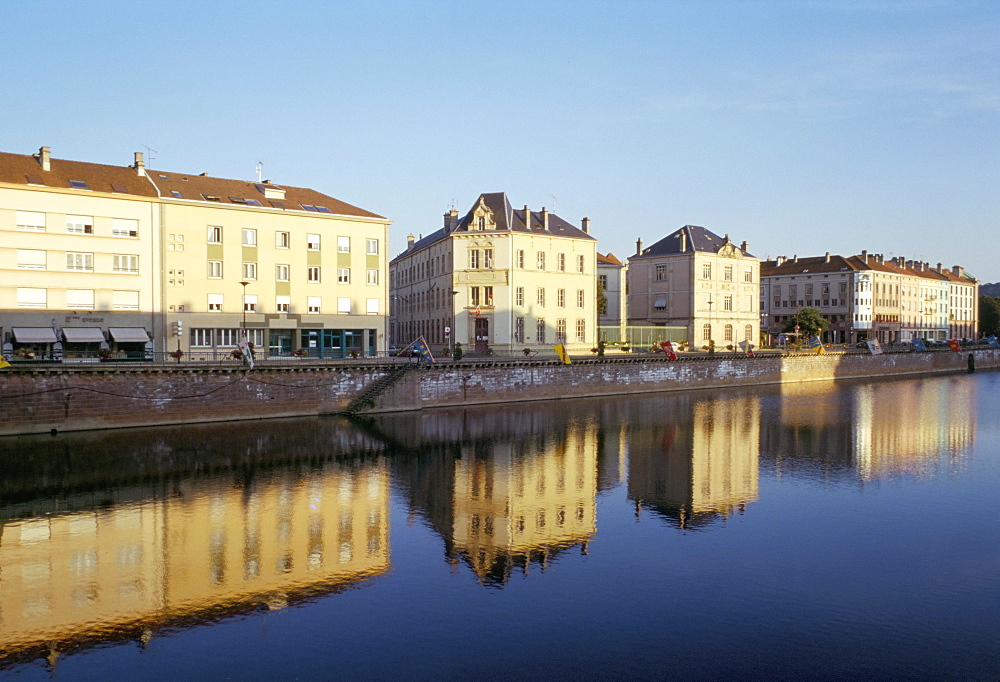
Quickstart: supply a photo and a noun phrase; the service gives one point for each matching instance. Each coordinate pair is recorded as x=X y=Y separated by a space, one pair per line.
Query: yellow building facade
x=104 y=260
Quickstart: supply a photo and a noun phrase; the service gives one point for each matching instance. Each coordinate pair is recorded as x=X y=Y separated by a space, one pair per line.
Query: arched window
x=729 y=332
x=748 y=333
x=706 y=332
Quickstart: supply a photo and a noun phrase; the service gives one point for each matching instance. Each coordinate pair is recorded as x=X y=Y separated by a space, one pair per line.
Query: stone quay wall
x=39 y=400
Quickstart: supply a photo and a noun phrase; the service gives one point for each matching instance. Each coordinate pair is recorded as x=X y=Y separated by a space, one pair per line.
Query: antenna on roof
x=150 y=153
x=553 y=202
x=452 y=207
x=260 y=170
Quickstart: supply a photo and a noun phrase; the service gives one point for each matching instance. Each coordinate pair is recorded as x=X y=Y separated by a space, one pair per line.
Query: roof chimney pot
x=586 y=225
x=638 y=246
x=140 y=164
x=545 y=219
x=44 y=159
x=527 y=217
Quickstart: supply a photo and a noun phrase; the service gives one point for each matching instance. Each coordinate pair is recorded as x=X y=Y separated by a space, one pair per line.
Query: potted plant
x=354 y=353
x=526 y=351
x=301 y=353
x=176 y=354
x=237 y=354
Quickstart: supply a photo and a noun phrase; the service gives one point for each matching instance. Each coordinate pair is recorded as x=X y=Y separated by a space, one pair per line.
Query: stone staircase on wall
x=377 y=388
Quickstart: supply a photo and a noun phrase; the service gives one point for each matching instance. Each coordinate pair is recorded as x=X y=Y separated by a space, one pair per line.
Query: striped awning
x=129 y=334
x=34 y=335
x=83 y=334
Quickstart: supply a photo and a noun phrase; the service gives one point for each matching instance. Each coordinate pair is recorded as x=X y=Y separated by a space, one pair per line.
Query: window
x=519 y=330
x=282 y=240
x=344 y=306
x=581 y=264
x=520 y=258
x=80 y=299
x=123 y=262
x=661 y=271
x=561 y=261
x=282 y=272
x=727 y=302
x=581 y=298
x=603 y=279
x=706 y=271
x=748 y=332
x=214 y=234
x=281 y=303
x=728 y=333
x=249 y=271
x=30 y=221
x=80 y=261
x=249 y=237
x=201 y=338
x=581 y=331
x=31 y=259
x=474 y=259
x=344 y=244
x=215 y=269
x=519 y=296
x=312 y=242
x=122 y=227
x=540 y=260
x=371 y=247
x=344 y=275
x=313 y=273
x=372 y=306
x=540 y=330
x=28 y=297
x=540 y=297
x=215 y=303
x=727 y=273
x=125 y=300
x=748 y=275
x=372 y=277
x=560 y=298
x=314 y=305
x=474 y=296
x=487 y=295
x=560 y=330
x=250 y=303
x=488 y=259
x=78 y=224
x=706 y=332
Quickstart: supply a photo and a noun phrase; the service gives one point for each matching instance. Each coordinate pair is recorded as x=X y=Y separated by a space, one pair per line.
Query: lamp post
x=244 y=285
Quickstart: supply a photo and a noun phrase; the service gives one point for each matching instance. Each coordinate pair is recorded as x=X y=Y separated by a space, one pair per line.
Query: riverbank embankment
x=46 y=399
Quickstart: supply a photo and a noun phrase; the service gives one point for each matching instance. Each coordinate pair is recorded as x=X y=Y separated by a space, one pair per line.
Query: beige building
x=695 y=279
x=128 y=261
x=869 y=297
x=611 y=278
x=498 y=279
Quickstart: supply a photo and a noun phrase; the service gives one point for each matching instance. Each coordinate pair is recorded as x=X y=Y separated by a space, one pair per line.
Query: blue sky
x=799 y=126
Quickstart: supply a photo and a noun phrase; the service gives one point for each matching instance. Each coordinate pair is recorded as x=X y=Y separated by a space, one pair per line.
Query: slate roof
x=507 y=219
x=697 y=239
x=25 y=169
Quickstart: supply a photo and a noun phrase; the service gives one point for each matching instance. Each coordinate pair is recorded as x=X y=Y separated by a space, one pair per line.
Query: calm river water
x=816 y=532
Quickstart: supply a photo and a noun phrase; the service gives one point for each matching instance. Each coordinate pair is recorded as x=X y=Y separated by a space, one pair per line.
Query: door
x=482 y=334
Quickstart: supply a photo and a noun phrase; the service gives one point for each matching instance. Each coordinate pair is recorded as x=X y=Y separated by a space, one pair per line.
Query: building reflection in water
x=191 y=549
x=870 y=431
x=696 y=462
x=506 y=490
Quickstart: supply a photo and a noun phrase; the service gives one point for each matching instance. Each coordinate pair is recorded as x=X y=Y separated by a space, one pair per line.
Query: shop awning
x=660 y=302
x=83 y=334
x=129 y=334
x=34 y=335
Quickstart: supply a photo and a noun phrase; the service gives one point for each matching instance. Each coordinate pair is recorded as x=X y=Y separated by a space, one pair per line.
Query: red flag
x=668 y=350
x=955 y=345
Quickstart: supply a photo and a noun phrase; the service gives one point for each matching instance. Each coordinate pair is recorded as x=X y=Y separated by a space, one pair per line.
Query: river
x=805 y=532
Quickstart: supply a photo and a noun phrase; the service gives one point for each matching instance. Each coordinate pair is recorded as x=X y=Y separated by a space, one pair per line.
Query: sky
x=799 y=126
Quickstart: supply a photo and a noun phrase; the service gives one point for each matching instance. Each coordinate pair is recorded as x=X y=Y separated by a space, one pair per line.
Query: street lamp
x=244 y=285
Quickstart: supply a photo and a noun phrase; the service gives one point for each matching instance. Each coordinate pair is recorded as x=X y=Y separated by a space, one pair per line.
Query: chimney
x=638 y=246
x=527 y=217
x=450 y=220
x=140 y=165
x=409 y=241
x=827 y=257
x=780 y=260
x=586 y=225
x=43 y=158
x=744 y=247
x=795 y=258
x=864 y=257
x=958 y=271
x=545 y=219
x=684 y=241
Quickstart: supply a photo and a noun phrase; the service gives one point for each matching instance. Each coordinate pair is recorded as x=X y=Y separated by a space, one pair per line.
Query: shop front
x=32 y=344
x=130 y=343
x=83 y=344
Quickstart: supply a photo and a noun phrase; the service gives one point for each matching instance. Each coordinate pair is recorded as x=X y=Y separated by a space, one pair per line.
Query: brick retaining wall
x=39 y=400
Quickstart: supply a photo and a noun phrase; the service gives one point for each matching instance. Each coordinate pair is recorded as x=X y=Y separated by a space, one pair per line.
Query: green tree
x=810 y=321
x=989 y=316
x=602 y=298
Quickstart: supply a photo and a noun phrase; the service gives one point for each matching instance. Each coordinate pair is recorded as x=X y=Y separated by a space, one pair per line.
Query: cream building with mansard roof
x=101 y=259
x=497 y=278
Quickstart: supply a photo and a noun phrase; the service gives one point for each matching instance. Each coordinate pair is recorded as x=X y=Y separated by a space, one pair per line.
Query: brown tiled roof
x=811 y=264
x=608 y=260
x=23 y=169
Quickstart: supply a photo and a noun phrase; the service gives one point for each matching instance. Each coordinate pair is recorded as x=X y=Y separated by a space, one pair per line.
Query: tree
x=602 y=299
x=989 y=316
x=810 y=322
